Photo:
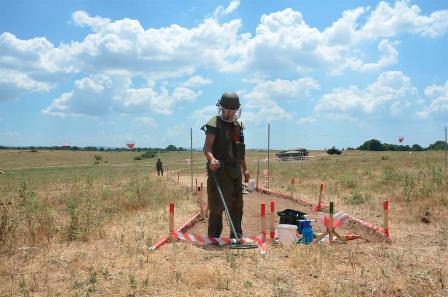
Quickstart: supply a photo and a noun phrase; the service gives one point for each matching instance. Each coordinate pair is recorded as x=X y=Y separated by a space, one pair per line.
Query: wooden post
x=386 y=217
x=205 y=202
x=263 y=221
x=269 y=138
x=201 y=203
x=292 y=186
x=171 y=220
x=178 y=177
x=191 y=157
x=258 y=170
x=272 y=221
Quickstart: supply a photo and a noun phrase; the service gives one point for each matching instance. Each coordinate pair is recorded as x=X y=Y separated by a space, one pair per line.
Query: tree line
x=376 y=145
x=169 y=148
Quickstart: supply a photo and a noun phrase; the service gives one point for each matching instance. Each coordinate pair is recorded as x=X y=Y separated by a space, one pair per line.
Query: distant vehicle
x=334 y=151
x=294 y=154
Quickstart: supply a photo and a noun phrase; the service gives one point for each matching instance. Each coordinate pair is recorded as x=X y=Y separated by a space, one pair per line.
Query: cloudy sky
x=334 y=73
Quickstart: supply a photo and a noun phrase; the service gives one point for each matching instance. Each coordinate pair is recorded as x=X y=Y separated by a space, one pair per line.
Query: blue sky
x=322 y=73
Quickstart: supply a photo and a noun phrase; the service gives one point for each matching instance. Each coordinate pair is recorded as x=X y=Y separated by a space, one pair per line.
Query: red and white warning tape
x=302 y=201
x=299 y=200
x=188 y=225
x=368 y=225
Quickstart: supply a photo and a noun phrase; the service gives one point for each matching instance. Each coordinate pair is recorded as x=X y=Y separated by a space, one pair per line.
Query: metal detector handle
x=225 y=205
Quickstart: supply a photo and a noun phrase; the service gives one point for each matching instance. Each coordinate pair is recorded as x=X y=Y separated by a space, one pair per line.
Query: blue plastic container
x=307 y=232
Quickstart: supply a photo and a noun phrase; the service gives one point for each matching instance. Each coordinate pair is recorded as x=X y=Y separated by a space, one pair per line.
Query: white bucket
x=287 y=234
x=251 y=185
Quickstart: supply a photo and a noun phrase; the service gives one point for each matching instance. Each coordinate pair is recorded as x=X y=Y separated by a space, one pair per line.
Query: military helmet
x=230 y=100
x=229 y=107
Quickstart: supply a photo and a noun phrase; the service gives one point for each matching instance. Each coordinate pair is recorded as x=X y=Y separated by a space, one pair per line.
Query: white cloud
x=388 y=21
x=196 y=81
x=91 y=96
x=261 y=106
x=203 y=115
x=81 y=18
x=306 y=120
x=220 y=11
x=28 y=66
x=343 y=117
x=11 y=134
x=343 y=31
x=124 y=47
x=14 y=84
x=147 y=121
x=438 y=96
x=283 y=89
x=263 y=111
x=391 y=89
x=162 y=102
x=283 y=43
x=102 y=94
x=389 y=57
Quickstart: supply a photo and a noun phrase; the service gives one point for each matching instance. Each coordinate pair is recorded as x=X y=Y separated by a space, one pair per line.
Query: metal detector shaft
x=225 y=205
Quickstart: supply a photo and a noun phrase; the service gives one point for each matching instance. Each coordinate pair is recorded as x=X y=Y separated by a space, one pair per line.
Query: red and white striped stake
x=386 y=217
x=292 y=186
x=171 y=220
x=263 y=221
x=271 y=223
x=318 y=206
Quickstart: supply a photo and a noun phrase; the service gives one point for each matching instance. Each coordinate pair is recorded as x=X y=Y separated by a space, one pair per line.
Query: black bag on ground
x=290 y=216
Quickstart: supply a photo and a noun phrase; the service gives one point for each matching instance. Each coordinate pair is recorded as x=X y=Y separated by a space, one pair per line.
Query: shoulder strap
x=213 y=122
x=239 y=123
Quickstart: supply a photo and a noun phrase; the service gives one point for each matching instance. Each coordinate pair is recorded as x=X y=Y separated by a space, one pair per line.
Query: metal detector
x=238 y=244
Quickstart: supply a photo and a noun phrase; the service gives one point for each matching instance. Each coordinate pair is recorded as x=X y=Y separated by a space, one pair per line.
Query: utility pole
x=191 y=156
x=269 y=139
x=446 y=154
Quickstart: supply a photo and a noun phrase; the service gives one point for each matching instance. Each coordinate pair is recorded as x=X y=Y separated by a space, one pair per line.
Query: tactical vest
x=229 y=140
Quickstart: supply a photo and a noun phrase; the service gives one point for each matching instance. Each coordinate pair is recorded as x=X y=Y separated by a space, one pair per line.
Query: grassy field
x=79 y=224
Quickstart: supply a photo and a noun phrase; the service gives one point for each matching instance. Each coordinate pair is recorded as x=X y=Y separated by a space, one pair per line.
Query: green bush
x=390 y=175
x=348 y=181
x=146 y=155
x=357 y=197
x=98 y=157
x=408 y=187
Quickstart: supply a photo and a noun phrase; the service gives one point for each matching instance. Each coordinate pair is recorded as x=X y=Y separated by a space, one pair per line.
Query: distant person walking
x=159 y=167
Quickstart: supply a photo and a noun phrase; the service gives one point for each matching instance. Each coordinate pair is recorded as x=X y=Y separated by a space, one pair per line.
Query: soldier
x=159 y=167
x=224 y=149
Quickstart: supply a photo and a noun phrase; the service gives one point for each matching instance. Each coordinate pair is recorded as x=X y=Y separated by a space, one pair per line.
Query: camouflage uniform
x=229 y=149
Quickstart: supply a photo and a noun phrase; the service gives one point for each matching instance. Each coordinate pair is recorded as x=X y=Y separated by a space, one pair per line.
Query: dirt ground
x=252 y=209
